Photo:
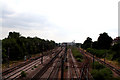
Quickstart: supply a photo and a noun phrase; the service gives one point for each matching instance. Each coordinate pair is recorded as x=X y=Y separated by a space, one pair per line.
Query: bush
x=76 y=53
x=32 y=68
x=98 y=53
x=98 y=66
x=78 y=59
x=100 y=72
x=23 y=74
x=116 y=78
x=97 y=75
x=106 y=72
x=35 y=66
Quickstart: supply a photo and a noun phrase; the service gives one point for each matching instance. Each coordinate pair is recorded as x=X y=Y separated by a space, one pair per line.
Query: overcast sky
x=60 y=20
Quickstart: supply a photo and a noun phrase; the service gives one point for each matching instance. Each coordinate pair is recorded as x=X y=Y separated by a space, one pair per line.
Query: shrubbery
x=100 y=72
x=19 y=46
x=35 y=66
x=23 y=74
x=98 y=66
x=79 y=59
x=77 y=54
x=98 y=53
x=109 y=54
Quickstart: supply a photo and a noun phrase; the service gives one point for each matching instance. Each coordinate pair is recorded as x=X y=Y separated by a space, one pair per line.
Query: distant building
x=72 y=44
x=69 y=43
x=116 y=40
x=78 y=45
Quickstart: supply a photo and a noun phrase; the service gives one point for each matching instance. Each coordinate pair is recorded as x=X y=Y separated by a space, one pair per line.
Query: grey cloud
x=6 y=11
x=24 y=20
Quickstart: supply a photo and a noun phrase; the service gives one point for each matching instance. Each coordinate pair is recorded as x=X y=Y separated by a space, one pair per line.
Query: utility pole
x=93 y=61
x=42 y=55
x=62 y=68
x=105 y=55
x=8 y=57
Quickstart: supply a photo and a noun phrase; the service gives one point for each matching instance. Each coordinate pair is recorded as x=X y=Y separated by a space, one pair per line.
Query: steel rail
x=44 y=69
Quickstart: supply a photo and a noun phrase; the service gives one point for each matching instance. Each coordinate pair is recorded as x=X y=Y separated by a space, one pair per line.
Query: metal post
x=8 y=57
x=42 y=58
x=62 y=69
x=93 y=61
x=104 y=59
x=105 y=56
x=25 y=58
x=42 y=55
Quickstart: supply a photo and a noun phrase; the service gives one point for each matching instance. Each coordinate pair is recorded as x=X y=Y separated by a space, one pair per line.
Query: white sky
x=60 y=20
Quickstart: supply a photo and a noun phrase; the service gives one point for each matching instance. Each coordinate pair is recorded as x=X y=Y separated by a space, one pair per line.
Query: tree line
x=16 y=46
x=102 y=47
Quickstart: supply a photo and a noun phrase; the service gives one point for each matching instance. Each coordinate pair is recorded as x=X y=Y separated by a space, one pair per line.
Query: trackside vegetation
x=15 y=46
x=100 y=72
x=23 y=74
x=77 y=54
x=105 y=46
x=108 y=54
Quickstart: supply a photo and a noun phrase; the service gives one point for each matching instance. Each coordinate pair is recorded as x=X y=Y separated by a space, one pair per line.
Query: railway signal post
x=105 y=56
x=93 y=60
x=62 y=68
x=8 y=57
x=42 y=56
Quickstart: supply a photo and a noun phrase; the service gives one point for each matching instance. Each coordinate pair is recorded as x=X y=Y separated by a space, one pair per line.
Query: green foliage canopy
x=20 y=46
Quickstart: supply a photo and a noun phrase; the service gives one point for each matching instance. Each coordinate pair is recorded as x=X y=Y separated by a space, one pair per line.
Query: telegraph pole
x=42 y=55
x=93 y=60
x=105 y=55
x=62 y=68
x=8 y=57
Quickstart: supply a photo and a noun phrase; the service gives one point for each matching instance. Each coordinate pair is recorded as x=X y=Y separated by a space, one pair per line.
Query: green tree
x=116 y=48
x=104 y=41
x=20 y=46
x=87 y=43
x=95 y=45
x=14 y=35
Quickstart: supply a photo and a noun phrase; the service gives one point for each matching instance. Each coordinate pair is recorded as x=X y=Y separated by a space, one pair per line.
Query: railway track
x=20 y=65
x=85 y=70
x=39 y=75
x=85 y=74
x=56 y=68
x=108 y=65
x=14 y=72
x=74 y=72
x=117 y=71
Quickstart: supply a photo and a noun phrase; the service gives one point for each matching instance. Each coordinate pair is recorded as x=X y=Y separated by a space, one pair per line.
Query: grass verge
x=76 y=53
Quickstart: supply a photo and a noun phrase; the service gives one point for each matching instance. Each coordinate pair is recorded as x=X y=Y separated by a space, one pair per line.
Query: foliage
x=19 y=46
x=87 y=43
x=35 y=66
x=32 y=69
x=116 y=48
x=109 y=54
x=103 y=48
x=79 y=59
x=23 y=74
x=98 y=66
x=95 y=45
x=76 y=53
x=78 y=44
x=100 y=72
x=98 y=53
x=104 y=41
